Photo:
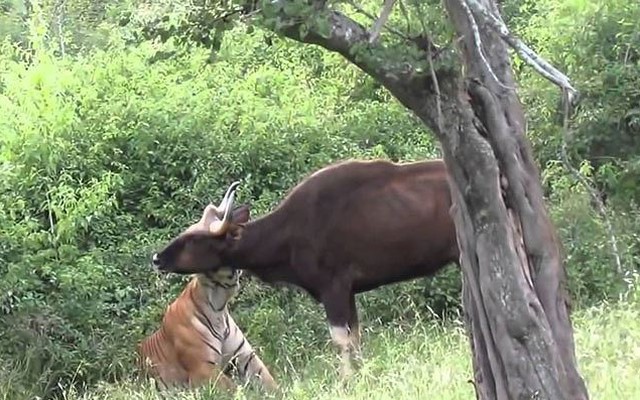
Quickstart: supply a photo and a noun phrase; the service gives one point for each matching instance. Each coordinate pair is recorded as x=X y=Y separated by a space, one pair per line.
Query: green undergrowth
x=422 y=359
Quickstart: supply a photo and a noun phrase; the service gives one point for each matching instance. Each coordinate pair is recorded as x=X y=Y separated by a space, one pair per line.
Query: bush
x=587 y=247
x=595 y=43
x=103 y=156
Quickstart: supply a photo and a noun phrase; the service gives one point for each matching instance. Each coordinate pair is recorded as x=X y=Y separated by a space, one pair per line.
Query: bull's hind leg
x=355 y=331
x=337 y=307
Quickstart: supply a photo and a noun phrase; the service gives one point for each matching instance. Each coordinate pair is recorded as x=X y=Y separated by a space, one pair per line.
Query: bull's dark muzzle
x=158 y=265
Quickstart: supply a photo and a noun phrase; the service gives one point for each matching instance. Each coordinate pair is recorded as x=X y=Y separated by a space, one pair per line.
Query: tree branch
x=436 y=86
x=350 y=39
x=384 y=16
x=372 y=17
x=542 y=66
x=408 y=80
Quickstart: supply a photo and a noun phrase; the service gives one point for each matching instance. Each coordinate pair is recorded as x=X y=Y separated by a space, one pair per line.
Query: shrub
x=103 y=156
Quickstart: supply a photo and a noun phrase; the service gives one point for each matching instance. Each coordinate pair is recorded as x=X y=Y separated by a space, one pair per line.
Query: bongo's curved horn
x=219 y=227
x=225 y=200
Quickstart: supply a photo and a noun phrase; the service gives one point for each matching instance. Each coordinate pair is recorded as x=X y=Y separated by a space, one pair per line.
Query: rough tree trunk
x=516 y=304
x=515 y=298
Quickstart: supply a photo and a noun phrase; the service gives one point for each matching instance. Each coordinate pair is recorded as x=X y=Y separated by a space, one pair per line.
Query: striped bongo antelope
x=198 y=338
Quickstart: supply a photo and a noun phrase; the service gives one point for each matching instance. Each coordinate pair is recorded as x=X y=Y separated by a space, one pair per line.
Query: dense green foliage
x=106 y=150
x=600 y=49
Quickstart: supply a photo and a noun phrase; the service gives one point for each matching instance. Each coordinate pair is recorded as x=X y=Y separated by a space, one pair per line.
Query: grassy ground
x=431 y=360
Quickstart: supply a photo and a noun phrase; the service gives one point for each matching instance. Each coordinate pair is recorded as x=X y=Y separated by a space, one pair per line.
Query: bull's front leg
x=340 y=336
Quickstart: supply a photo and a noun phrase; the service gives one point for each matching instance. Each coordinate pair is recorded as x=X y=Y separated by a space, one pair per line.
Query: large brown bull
x=348 y=228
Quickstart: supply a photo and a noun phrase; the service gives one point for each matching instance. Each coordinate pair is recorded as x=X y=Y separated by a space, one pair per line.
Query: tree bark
x=529 y=319
x=515 y=300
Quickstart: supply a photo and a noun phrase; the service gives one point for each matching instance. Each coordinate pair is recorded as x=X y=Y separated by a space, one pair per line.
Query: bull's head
x=203 y=246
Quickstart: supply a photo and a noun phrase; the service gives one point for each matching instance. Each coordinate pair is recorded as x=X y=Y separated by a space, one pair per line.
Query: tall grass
x=428 y=359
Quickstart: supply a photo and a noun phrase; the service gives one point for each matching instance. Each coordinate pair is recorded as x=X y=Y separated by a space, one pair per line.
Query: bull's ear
x=240 y=214
x=235 y=231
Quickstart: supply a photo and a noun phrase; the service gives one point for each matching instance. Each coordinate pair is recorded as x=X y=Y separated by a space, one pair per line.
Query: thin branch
x=405 y=14
x=372 y=17
x=246 y=15
x=436 y=87
x=59 y=9
x=421 y=16
x=592 y=191
x=344 y=35
x=541 y=65
x=374 y=33
x=53 y=237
